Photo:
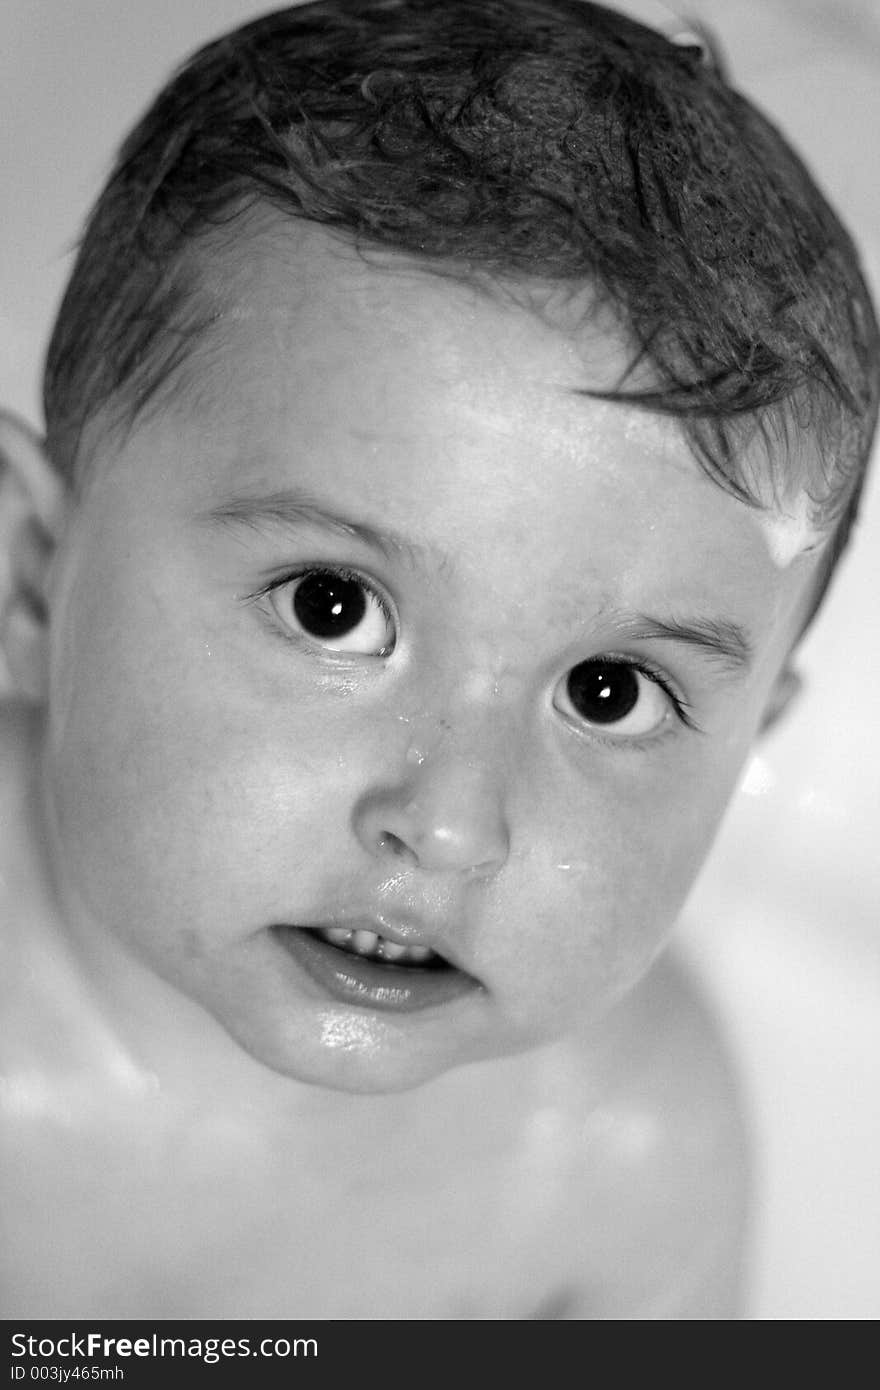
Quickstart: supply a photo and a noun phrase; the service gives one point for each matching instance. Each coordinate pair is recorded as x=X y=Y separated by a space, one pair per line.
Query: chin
x=356 y=1053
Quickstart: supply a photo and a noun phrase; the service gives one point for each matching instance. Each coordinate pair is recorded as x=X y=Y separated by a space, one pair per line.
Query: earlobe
x=785 y=692
x=31 y=509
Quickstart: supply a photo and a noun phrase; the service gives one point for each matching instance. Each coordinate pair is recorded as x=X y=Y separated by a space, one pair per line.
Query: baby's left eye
x=614 y=696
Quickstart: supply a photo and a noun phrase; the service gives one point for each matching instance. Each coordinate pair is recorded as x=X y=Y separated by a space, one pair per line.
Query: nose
x=446 y=816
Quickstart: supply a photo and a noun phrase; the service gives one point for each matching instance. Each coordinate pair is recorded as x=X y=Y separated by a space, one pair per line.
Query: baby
x=453 y=421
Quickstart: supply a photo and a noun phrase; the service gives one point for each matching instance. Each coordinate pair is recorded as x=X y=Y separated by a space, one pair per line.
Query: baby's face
x=398 y=688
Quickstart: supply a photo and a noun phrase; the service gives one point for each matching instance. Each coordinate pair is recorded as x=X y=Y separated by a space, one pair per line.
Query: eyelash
x=680 y=706
x=328 y=572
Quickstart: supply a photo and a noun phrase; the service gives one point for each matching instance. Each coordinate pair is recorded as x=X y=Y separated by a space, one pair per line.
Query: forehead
x=448 y=414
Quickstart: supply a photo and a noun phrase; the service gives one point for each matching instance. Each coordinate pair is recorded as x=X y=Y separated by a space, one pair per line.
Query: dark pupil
x=603 y=691
x=328 y=605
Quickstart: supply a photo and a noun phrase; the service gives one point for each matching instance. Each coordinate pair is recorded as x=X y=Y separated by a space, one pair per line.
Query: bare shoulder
x=667 y=1052
x=654 y=1224
x=672 y=1147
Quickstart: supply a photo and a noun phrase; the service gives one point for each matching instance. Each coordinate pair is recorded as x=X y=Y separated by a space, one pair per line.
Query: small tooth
x=364 y=942
x=419 y=953
x=391 y=950
x=340 y=936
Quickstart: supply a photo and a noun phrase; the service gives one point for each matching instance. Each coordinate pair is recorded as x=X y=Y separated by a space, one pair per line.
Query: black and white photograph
x=439 y=669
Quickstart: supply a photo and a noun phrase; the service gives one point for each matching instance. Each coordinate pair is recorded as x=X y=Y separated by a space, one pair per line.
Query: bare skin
x=128 y=1195
x=216 y=1107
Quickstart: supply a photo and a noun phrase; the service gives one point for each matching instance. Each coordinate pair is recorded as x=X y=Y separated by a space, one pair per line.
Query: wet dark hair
x=518 y=141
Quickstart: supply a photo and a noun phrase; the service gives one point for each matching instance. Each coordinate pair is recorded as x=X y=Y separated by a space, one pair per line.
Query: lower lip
x=352 y=979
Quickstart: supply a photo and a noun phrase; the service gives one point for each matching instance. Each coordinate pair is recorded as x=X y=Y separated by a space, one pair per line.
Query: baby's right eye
x=335 y=609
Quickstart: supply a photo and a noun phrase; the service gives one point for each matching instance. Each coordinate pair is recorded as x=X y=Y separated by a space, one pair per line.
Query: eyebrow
x=295 y=507
x=718 y=638
x=726 y=641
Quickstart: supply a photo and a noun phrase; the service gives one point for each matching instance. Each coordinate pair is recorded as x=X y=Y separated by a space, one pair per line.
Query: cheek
x=190 y=800
x=147 y=781
x=598 y=884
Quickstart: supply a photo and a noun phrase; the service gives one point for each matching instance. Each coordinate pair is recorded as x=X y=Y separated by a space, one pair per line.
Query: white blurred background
x=784 y=925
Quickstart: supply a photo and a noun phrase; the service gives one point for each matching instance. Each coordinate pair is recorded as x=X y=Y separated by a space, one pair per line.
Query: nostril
x=394 y=845
x=449 y=819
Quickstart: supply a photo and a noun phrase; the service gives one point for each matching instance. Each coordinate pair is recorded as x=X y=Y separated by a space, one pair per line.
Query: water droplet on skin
x=347 y=1034
x=392 y=884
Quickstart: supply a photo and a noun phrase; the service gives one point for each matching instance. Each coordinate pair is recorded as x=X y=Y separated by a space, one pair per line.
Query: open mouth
x=360 y=966
x=369 y=945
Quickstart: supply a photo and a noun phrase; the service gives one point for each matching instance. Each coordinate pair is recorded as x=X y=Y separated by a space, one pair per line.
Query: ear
x=32 y=505
x=784 y=693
